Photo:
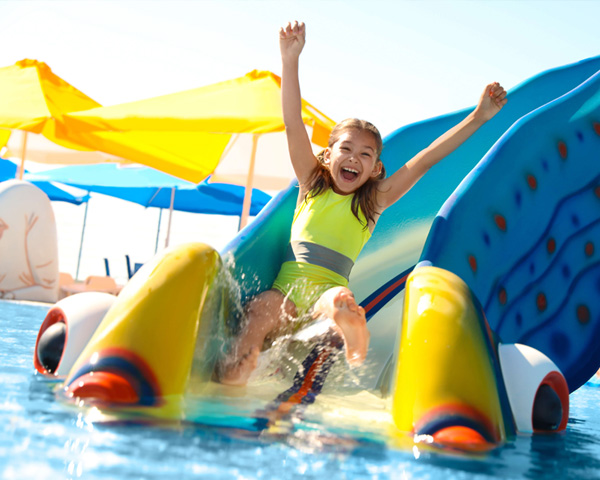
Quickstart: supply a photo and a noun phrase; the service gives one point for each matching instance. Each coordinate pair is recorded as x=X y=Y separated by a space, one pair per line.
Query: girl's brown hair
x=364 y=197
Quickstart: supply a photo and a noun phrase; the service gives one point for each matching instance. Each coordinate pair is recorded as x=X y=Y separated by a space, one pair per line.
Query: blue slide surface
x=523 y=230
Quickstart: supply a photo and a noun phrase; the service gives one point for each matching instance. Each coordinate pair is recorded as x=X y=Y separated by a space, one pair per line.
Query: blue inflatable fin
x=523 y=231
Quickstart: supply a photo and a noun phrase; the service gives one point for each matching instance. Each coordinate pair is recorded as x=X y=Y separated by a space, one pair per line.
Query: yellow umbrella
x=41 y=150
x=4 y=137
x=188 y=133
x=33 y=100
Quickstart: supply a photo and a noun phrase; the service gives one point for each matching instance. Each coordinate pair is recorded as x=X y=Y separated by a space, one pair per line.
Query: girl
x=343 y=192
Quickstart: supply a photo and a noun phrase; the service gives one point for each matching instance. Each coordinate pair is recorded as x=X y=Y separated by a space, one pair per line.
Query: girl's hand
x=491 y=102
x=291 y=40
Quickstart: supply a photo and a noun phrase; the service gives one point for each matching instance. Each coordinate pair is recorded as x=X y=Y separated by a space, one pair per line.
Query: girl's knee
x=268 y=300
x=270 y=307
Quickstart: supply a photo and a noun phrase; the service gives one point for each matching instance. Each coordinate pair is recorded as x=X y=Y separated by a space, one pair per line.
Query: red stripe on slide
x=385 y=293
x=308 y=379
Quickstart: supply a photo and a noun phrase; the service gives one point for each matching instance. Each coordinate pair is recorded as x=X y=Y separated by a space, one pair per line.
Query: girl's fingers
x=496 y=93
x=499 y=95
x=292 y=29
x=501 y=100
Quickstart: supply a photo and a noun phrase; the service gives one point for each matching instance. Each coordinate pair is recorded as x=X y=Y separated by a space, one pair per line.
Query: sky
x=390 y=62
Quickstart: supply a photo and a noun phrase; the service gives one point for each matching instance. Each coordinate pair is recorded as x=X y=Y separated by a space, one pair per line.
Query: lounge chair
x=136 y=267
x=64 y=279
x=93 y=283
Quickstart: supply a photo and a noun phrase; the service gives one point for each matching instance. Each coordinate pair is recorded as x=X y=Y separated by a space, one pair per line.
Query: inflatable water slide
x=480 y=288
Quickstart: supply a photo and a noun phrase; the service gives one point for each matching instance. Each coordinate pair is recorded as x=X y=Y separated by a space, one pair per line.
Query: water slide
x=532 y=200
x=395 y=248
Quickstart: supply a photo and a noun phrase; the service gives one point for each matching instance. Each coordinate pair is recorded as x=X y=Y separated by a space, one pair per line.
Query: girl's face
x=352 y=160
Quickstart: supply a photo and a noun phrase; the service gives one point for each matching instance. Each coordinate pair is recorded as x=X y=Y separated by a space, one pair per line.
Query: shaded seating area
x=93 y=283
x=131 y=271
x=64 y=279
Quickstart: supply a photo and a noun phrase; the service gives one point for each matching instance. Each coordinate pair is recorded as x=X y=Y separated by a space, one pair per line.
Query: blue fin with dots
x=523 y=230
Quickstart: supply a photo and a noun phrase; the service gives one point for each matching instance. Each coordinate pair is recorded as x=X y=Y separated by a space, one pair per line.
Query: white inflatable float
x=28 y=244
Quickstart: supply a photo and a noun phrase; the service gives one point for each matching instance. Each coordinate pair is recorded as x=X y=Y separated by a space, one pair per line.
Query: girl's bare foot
x=237 y=371
x=340 y=305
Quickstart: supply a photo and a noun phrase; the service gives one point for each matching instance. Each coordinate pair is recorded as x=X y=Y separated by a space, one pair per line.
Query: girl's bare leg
x=265 y=314
x=338 y=304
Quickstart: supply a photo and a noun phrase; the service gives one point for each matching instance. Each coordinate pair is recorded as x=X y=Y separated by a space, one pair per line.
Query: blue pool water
x=42 y=438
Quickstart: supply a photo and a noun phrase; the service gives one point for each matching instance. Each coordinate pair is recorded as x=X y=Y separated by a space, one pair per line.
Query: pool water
x=43 y=438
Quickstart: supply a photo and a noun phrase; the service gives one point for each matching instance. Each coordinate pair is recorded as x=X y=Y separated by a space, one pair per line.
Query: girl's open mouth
x=349 y=174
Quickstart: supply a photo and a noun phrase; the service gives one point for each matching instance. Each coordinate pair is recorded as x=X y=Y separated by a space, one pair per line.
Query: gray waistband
x=315 y=254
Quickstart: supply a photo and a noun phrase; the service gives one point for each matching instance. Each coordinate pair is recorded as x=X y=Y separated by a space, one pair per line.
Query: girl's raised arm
x=291 y=42
x=395 y=186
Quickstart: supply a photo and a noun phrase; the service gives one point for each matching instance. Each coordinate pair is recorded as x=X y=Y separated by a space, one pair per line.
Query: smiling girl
x=343 y=192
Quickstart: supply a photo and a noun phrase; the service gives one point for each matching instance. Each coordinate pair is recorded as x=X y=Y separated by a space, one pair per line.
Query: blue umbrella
x=152 y=188
x=8 y=171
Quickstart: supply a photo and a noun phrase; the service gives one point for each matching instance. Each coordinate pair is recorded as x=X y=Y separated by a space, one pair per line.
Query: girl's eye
x=344 y=149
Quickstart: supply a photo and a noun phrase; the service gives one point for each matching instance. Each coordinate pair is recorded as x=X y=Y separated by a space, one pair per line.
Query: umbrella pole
x=170 y=217
x=158 y=229
x=249 y=182
x=81 y=242
x=23 y=150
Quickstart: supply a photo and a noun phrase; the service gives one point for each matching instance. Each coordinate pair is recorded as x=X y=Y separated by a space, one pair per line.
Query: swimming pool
x=42 y=438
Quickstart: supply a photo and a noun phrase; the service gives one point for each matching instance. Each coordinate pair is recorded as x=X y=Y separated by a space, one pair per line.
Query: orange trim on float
x=54 y=315
x=104 y=386
x=464 y=438
x=556 y=381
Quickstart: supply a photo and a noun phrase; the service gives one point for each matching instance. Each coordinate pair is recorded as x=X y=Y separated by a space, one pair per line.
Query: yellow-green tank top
x=328 y=220
x=322 y=221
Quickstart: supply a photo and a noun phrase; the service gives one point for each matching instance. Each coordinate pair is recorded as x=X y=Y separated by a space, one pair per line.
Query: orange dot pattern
x=541 y=302
x=551 y=245
x=583 y=314
x=502 y=296
x=589 y=249
x=500 y=222
x=562 y=150
x=473 y=263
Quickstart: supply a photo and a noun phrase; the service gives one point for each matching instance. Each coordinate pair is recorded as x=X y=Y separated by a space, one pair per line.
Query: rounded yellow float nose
x=144 y=347
x=448 y=383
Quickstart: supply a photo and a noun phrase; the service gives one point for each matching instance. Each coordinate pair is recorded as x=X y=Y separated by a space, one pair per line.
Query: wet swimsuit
x=325 y=241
